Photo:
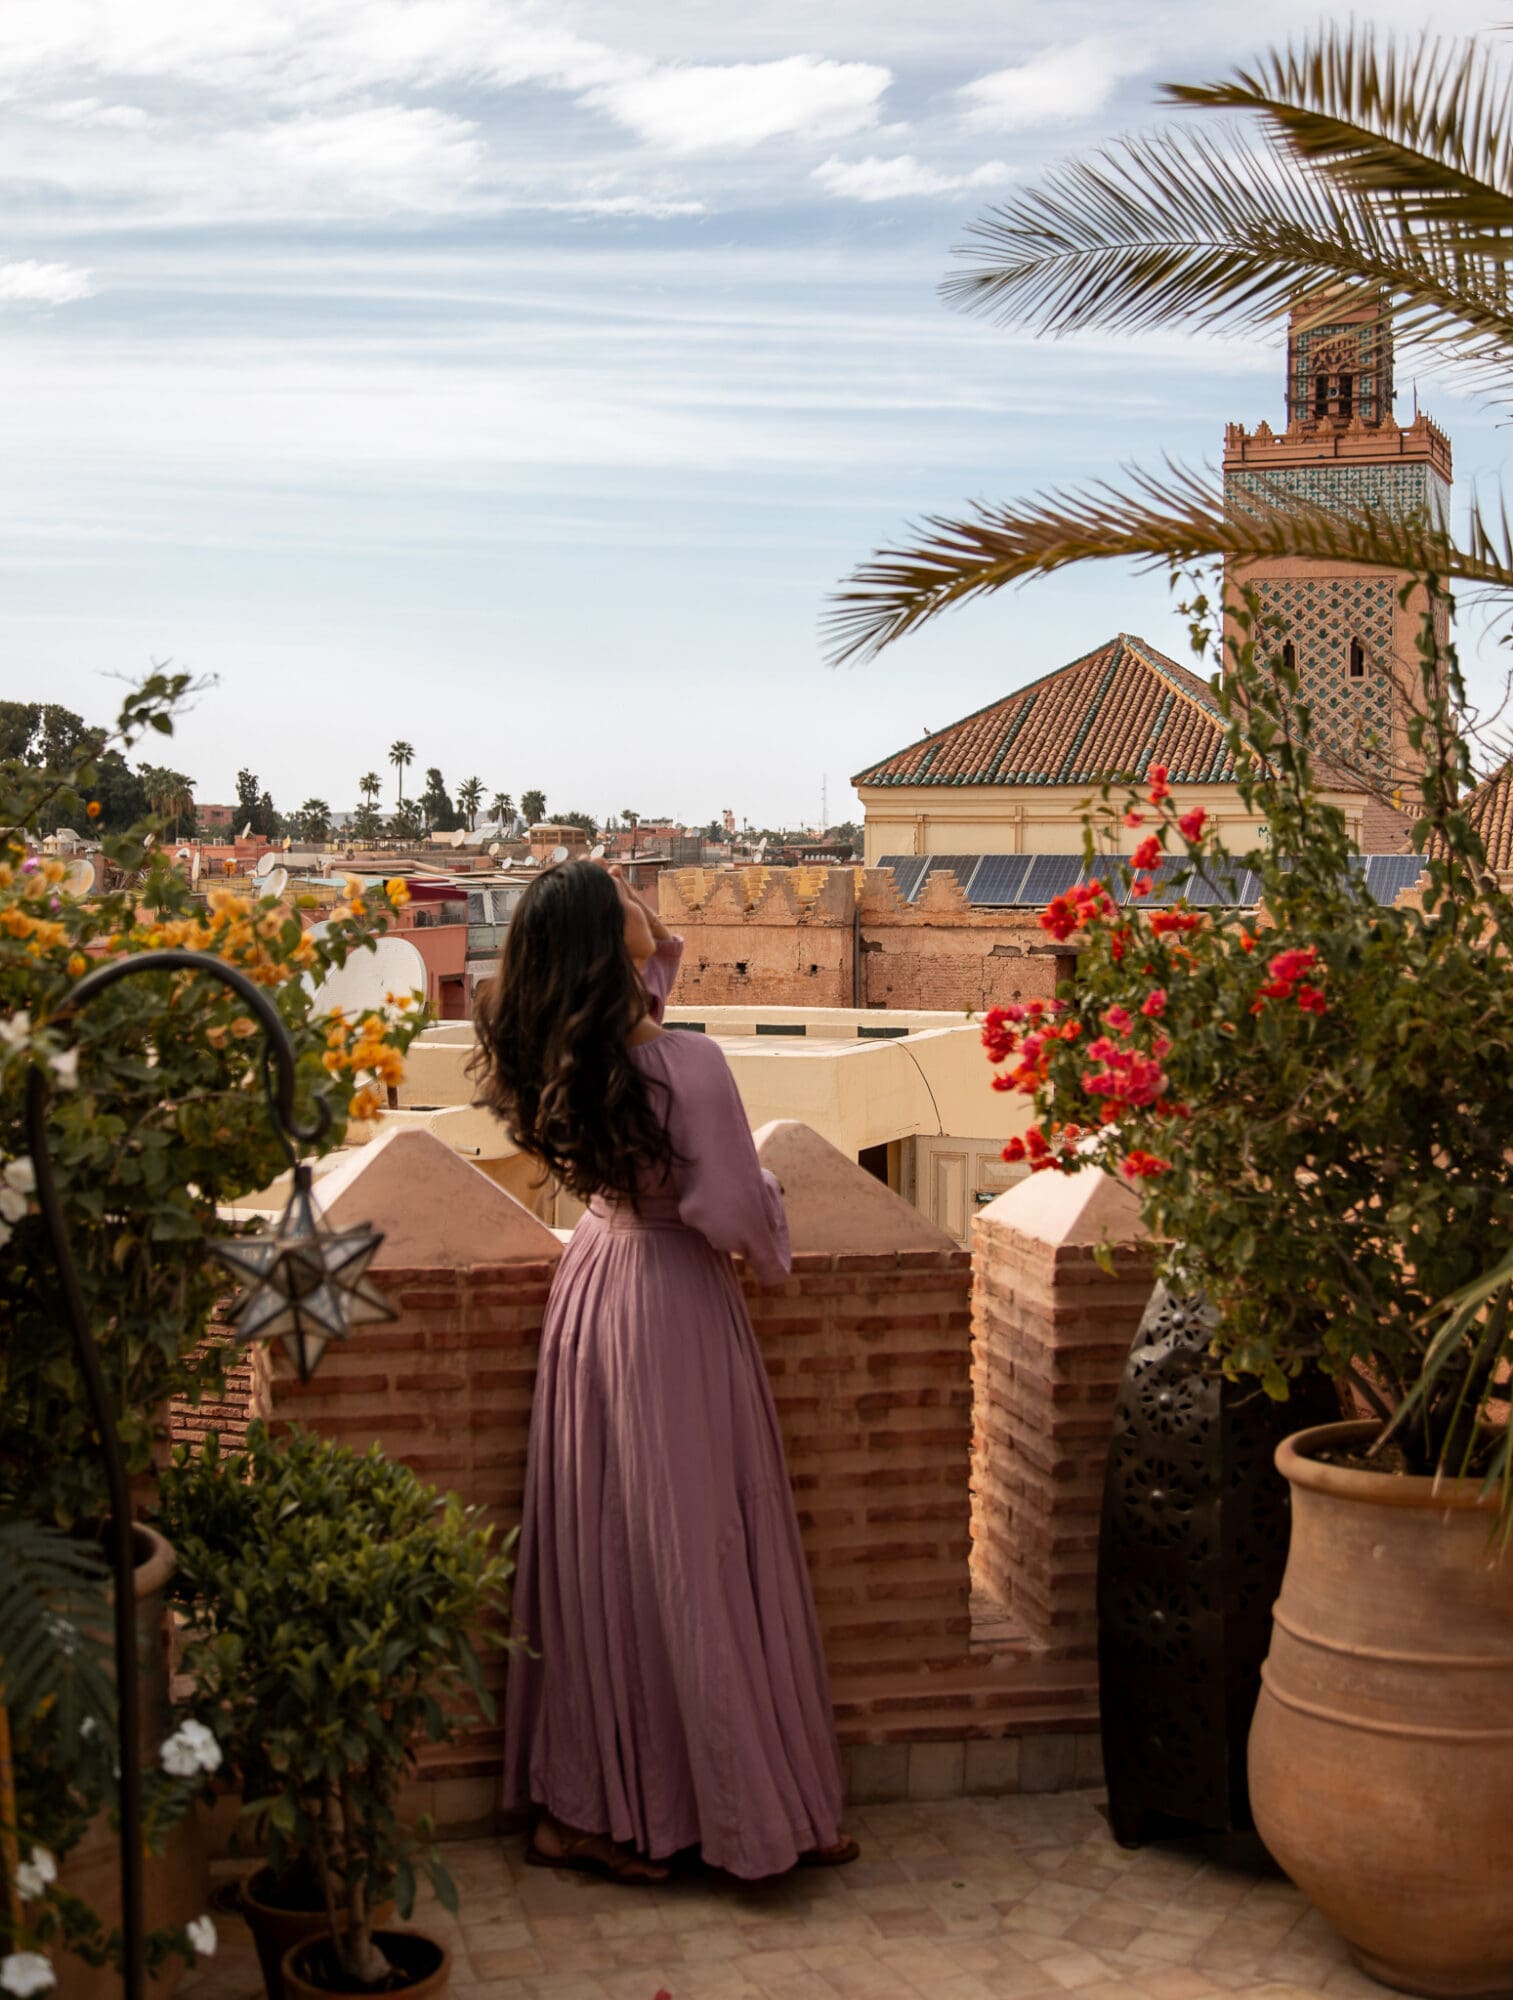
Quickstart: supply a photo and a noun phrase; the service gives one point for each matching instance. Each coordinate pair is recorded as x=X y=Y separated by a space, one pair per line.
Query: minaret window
x=1289 y=656
x=1347 y=394
x=1357 y=660
x=1321 y=395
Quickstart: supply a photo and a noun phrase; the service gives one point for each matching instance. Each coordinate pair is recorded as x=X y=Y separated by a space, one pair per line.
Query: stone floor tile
x=524 y=1964
x=800 y=1986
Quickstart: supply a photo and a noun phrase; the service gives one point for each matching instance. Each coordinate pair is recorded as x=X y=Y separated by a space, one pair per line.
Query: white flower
x=5 y=1234
x=25 y=1972
x=191 y=1748
x=12 y=1204
x=66 y=1069
x=33 y=1876
x=90 y=1726
x=16 y=1032
x=201 y=1934
x=20 y=1175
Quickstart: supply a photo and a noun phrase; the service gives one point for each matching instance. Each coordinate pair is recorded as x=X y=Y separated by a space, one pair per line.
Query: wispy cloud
x=1070 y=80
x=732 y=106
x=31 y=283
x=875 y=179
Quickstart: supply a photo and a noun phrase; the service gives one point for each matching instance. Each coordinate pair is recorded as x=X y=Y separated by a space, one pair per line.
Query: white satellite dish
x=276 y=883
x=459 y=835
x=265 y=863
x=596 y=853
x=183 y=854
x=359 y=986
x=559 y=854
x=194 y=867
x=78 y=877
x=246 y=832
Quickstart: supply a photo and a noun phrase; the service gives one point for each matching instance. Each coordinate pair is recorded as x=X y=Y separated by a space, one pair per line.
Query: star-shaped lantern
x=306 y=1284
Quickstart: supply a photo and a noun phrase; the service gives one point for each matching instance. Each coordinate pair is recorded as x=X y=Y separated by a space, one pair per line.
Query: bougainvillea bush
x=159 y=1113
x=1312 y=1098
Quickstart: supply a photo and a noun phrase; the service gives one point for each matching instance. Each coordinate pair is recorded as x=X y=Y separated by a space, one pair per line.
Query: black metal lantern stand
x=307 y=1286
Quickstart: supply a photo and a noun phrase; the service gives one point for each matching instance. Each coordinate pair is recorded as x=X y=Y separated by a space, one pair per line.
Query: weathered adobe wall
x=756 y=937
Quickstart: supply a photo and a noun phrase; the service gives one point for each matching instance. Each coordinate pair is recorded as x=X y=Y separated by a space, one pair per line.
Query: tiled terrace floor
x=965 y=1899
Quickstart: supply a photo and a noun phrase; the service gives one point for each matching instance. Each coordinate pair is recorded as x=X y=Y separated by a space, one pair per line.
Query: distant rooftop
x=1029 y=881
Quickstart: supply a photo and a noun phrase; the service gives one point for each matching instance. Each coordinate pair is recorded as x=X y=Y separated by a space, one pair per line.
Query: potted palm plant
x=335 y=1606
x=1313 y=1101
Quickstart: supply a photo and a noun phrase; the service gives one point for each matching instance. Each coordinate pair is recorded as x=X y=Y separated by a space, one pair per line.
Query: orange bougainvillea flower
x=94 y=809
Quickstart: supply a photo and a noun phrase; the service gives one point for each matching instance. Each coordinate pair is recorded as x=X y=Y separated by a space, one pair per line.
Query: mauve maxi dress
x=680 y=1698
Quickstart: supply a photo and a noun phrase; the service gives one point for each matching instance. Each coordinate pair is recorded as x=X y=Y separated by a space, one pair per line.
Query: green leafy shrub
x=335 y=1604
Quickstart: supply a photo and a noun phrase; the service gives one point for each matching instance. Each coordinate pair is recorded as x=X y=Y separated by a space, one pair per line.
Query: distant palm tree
x=470 y=798
x=401 y=754
x=533 y=805
x=503 y=807
x=315 y=819
x=632 y=820
x=406 y=823
x=370 y=785
x=169 y=793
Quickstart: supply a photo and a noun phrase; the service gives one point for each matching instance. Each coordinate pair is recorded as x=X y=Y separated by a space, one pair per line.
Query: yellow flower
x=334 y=1061
x=94 y=809
x=78 y=965
x=353 y=888
x=367 y=1104
x=243 y=1026
x=53 y=871
x=397 y=892
x=216 y=1037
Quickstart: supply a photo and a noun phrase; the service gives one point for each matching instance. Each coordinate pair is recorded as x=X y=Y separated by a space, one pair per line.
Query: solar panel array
x=1029 y=881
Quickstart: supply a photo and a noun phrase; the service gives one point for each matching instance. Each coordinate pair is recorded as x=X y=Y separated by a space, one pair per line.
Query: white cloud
x=31 y=283
x=1070 y=80
x=90 y=111
x=733 y=106
x=385 y=157
x=875 y=179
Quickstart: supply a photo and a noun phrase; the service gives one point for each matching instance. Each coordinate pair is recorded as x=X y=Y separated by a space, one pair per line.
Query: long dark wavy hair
x=551 y=1056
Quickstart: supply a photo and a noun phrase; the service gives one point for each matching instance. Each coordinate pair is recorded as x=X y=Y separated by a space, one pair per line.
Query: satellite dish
x=494 y=851
x=276 y=883
x=359 y=986
x=78 y=878
x=288 y=842
x=596 y=853
x=183 y=854
x=194 y=867
x=246 y=832
x=559 y=854
x=265 y=863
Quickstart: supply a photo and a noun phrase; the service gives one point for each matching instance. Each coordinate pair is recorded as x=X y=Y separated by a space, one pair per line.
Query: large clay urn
x=1381 y=1758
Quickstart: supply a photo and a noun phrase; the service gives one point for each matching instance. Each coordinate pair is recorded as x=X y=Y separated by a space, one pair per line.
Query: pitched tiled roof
x=1490 y=808
x=1110 y=714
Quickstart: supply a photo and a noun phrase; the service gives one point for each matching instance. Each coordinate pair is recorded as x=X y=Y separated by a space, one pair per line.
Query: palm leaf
x=54 y=1613
x=1222 y=234
x=1169 y=519
x=1429 y=126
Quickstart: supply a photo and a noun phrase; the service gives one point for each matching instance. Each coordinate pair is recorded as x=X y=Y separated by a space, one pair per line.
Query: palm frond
x=1429 y=126
x=1167 y=519
x=54 y=1614
x=1221 y=234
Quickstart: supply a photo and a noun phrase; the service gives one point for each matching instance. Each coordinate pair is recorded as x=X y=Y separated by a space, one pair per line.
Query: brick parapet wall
x=1052 y=1328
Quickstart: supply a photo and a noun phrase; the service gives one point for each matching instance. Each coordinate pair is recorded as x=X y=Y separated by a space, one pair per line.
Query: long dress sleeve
x=723 y=1190
x=659 y=972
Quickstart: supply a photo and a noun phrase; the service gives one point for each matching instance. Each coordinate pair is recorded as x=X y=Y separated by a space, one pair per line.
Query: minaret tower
x=1353 y=643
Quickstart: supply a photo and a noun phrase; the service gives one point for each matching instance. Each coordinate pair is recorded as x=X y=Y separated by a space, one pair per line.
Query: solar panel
x=908 y=872
x=962 y=866
x=478 y=909
x=1050 y=875
x=998 y=879
x=1166 y=879
x=1388 y=875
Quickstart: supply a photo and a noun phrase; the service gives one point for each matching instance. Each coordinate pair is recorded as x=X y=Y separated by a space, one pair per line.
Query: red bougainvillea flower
x=1311 y=1000
x=1160 y=789
x=1127 y=1077
x=1190 y=824
x=1118 y=1020
x=1013 y=1152
x=1141 y=1166
x=1085 y=904
x=1147 y=854
x=1154 y=1003
x=1247 y=942
x=1141 y=886
x=1293 y=964
x=1134 y=819
x=1175 y=920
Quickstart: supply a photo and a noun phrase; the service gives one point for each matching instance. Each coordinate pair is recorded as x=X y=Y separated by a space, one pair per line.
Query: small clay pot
x=276 y=1929
x=311 y=1971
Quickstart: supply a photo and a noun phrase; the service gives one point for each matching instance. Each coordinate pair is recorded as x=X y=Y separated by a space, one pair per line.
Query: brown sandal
x=844 y=1851
x=578 y=1854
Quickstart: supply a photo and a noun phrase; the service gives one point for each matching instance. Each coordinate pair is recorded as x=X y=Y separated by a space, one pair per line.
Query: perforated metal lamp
x=308 y=1286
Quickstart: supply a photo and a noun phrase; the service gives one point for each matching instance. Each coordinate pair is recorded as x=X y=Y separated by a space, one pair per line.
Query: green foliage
x=158 y=1114
x=254 y=808
x=1315 y=1105
x=335 y=1605
x=585 y=822
x=436 y=803
x=54 y=1613
x=533 y=807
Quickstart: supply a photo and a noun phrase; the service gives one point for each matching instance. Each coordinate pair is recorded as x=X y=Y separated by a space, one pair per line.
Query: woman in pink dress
x=676 y=1695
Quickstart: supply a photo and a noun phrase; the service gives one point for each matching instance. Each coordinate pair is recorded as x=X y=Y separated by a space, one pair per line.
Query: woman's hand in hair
x=659 y=930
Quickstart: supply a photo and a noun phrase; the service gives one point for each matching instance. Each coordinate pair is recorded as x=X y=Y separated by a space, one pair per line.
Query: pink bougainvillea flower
x=1154 y=1003
x=1147 y=854
x=1160 y=789
x=1293 y=964
x=1118 y=1020
x=1190 y=824
x=1311 y=1000
x=1133 y=818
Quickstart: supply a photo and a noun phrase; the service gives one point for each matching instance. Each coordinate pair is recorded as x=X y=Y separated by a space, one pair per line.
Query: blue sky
x=521 y=379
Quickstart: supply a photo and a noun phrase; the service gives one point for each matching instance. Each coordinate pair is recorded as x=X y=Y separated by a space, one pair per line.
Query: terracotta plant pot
x=310 y=1972
x=1381 y=1760
x=277 y=1927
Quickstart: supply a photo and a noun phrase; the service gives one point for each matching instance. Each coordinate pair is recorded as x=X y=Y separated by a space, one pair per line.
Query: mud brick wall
x=1051 y=1334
